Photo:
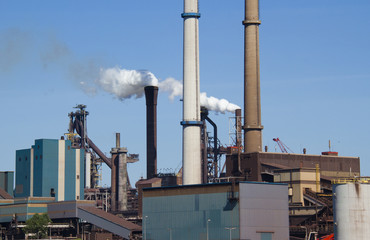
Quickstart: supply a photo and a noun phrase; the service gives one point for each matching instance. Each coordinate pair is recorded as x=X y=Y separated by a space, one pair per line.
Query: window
x=19 y=159
x=266 y=236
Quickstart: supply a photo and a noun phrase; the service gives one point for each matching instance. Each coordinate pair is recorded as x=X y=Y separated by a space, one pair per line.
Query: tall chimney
x=151 y=95
x=191 y=153
x=252 y=99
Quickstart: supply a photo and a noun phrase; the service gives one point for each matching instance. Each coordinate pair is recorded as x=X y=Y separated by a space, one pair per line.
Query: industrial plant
x=254 y=194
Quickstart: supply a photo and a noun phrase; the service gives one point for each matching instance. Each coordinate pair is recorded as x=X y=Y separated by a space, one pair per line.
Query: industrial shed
x=245 y=210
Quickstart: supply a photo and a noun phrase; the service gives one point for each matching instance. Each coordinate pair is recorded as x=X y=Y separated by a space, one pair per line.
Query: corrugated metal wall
x=264 y=211
x=186 y=217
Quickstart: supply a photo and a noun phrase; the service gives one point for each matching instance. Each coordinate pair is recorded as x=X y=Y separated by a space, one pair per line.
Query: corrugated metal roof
x=5 y=195
x=112 y=218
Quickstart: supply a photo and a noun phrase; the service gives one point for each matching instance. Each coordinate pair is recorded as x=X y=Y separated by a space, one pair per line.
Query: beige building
x=298 y=179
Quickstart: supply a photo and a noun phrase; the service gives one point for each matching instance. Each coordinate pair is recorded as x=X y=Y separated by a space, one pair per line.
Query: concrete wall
x=264 y=211
x=299 y=179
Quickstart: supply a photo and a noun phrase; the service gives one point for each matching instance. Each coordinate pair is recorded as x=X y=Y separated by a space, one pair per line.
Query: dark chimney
x=151 y=95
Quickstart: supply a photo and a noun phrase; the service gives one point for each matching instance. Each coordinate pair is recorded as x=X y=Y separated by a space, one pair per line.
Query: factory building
x=22 y=209
x=259 y=166
x=50 y=168
x=243 y=210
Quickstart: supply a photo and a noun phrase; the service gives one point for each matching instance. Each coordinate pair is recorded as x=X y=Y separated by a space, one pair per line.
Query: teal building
x=50 y=168
x=7 y=181
x=245 y=210
x=22 y=209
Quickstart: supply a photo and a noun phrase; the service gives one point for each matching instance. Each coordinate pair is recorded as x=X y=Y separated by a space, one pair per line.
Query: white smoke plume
x=172 y=86
x=125 y=84
x=217 y=105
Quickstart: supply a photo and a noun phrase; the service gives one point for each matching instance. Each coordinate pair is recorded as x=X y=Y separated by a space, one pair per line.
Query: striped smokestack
x=151 y=95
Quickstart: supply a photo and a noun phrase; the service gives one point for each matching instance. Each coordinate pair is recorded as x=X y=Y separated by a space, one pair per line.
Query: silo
x=351 y=200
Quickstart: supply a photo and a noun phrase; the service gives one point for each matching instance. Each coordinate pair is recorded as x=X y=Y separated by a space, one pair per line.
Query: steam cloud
x=125 y=84
x=122 y=83
x=215 y=104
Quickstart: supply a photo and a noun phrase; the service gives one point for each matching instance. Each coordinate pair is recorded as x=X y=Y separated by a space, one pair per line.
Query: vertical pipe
x=151 y=95
x=238 y=129
x=252 y=99
x=318 y=178
x=114 y=179
x=215 y=146
x=191 y=105
x=118 y=140
x=122 y=180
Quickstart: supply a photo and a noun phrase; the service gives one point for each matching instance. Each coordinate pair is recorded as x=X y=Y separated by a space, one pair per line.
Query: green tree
x=38 y=225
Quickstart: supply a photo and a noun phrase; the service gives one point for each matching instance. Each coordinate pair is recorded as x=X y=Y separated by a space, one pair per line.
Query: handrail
x=351 y=180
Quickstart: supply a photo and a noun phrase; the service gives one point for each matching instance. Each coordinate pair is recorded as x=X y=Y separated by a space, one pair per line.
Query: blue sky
x=315 y=72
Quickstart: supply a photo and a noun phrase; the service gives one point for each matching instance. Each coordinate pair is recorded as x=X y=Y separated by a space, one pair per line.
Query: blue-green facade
x=23 y=173
x=45 y=168
x=246 y=210
x=23 y=208
x=7 y=181
x=186 y=216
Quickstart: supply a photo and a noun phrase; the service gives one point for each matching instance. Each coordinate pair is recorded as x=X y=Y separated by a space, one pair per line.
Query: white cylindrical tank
x=351 y=211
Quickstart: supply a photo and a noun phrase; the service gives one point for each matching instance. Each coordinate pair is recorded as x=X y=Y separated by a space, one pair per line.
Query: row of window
x=20 y=159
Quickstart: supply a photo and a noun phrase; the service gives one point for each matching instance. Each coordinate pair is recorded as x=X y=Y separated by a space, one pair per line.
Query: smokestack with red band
x=151 y=95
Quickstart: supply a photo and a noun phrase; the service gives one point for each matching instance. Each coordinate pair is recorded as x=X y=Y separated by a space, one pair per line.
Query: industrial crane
x=283 y=147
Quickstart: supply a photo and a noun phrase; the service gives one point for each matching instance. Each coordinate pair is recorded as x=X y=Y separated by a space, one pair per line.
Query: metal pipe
x=252 y=99
x=114 y=180
x=118 y=140
x=215 y=145
x=191 y=104
x=100 y=153
x=238 y=129
x=151 y=95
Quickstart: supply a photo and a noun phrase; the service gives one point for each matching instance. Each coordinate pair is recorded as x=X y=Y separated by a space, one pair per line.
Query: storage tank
x=351 y=200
